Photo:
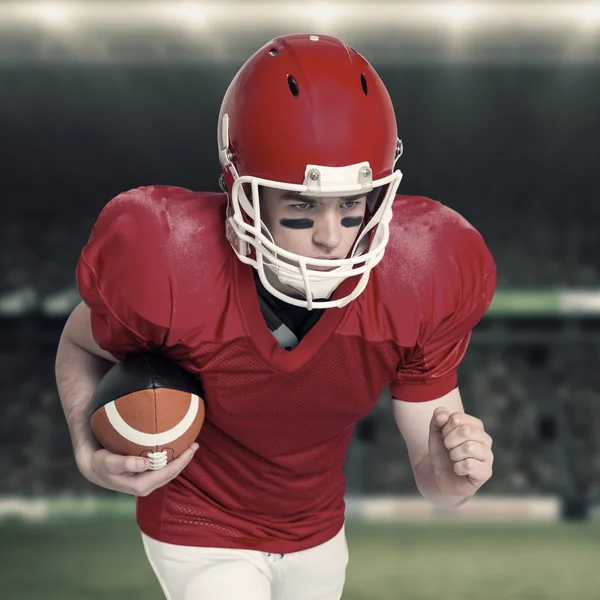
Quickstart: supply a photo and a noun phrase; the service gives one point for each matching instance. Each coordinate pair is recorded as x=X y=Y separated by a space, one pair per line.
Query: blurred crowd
x=533 y=248
x=38 y=253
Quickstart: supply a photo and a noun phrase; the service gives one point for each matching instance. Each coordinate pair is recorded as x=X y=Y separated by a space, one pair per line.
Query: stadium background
x=497 y=106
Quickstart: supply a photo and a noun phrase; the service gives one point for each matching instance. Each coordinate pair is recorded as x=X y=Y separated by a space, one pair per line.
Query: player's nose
x=327 y=232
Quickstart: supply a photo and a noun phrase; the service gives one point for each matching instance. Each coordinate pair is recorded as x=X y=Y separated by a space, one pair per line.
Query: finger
x=469 y=449
x=439 y=419
x=460 y=418
x=478 y=472
x=177 y=465
x=465 y=433
x=115 y=464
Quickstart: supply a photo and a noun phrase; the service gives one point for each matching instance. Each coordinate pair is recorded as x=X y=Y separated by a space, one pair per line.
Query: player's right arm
x=80 y=364
x=126 y=310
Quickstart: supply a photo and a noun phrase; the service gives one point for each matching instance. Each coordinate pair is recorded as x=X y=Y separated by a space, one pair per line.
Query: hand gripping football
x=147 y=406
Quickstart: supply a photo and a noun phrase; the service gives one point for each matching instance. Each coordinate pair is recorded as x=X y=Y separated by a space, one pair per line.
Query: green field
x=104 y=560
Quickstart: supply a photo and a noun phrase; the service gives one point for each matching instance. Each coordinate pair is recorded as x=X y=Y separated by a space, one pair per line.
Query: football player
x=295 y=296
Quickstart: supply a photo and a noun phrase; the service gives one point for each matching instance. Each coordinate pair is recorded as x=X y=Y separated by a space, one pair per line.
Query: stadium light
x=53 y=14
x=457 y=12
x=190 y=12
x=588 y=14
x=321 y=14
x=531 y=15
x=324 y=13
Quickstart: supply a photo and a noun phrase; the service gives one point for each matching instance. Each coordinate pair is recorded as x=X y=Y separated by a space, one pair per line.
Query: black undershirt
x=296 y=318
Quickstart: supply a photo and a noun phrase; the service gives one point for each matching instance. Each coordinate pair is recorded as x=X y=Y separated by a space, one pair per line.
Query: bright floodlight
x=588 y=13
x=55 y=14
x=324 y=12
x=190 y=12
x=457 y=12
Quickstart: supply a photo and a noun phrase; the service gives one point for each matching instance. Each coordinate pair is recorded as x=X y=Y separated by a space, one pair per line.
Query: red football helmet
x=308 y=114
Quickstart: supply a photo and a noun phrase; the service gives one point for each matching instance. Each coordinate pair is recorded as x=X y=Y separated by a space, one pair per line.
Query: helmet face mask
x=265 y=141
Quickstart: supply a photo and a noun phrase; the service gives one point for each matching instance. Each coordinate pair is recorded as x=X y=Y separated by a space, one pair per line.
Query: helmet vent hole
x=363 y=82
x=273 y=52
x=293 y=86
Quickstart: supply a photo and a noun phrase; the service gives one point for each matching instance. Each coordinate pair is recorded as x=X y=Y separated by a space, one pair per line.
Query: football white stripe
x=152 y=439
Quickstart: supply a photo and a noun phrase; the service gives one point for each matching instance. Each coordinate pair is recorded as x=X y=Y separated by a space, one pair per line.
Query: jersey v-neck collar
x=309 y=347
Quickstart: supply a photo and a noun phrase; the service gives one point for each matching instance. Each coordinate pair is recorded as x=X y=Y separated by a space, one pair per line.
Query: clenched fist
x=460 y=451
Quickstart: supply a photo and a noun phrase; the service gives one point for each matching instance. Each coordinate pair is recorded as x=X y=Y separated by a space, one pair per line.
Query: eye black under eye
x=297 y=223
x=352 y=221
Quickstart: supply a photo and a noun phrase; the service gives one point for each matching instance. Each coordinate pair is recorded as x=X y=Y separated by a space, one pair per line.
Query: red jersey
x=159 y=275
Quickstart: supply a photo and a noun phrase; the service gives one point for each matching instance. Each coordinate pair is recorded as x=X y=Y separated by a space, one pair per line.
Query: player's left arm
x=450 y=452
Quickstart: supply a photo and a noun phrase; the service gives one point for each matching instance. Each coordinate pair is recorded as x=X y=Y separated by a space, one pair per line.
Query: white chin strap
x=320 y=287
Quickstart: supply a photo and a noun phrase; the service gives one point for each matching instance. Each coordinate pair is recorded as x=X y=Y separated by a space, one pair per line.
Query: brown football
x=148 y=406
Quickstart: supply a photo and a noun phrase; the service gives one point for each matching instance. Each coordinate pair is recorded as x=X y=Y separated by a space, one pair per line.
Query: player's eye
x=350 y=204
x=302 y=207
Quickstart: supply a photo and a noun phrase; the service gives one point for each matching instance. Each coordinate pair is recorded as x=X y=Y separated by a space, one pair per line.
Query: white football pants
x=194 y=573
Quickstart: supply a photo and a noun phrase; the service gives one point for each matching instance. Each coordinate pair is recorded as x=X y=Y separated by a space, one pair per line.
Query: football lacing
x=158 y=460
